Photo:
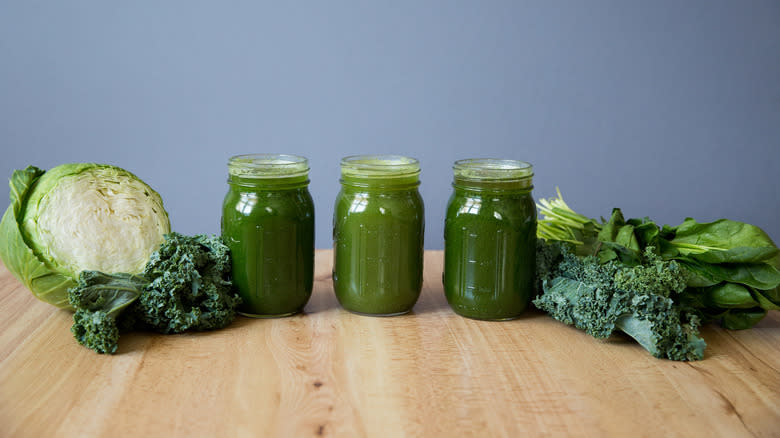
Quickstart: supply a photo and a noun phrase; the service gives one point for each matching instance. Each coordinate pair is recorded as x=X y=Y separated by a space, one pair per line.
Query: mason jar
x=378 y=225
x=490 y=239
x=268 y=224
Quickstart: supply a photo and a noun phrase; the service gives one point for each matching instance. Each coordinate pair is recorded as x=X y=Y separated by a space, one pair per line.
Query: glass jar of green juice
x=268 y=224
x=378 y=228
x=490 y=239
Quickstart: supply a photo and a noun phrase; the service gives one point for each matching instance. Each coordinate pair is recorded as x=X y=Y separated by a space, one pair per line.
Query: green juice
x=378 y=228
x=490 y=239
x=268 y=224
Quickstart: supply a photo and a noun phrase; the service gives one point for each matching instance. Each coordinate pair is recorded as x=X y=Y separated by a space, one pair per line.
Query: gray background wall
x=664 y=108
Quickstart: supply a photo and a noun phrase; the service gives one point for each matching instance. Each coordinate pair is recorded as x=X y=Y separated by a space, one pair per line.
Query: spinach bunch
x=732 y=266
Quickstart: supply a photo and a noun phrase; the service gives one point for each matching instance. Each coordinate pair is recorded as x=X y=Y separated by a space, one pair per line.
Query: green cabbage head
x=78 y=217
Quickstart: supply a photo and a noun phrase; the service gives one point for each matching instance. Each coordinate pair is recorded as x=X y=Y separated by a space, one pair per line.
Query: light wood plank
x=328 y=372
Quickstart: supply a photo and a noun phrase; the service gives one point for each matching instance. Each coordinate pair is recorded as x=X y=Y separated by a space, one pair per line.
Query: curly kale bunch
x=189 y=286
x=639 y=300
x=185 y=286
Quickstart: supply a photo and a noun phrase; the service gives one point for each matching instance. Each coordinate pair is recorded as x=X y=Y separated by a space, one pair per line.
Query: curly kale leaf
x=637 y=300
x=100 y=301
x=96 y=330
x=190 y=287
x=185 y=286
x=653 y=276
x=549 y=254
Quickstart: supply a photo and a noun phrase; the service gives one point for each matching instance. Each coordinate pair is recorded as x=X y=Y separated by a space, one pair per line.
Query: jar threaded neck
x=259 y=166
x=493 y=173
x=380 y=170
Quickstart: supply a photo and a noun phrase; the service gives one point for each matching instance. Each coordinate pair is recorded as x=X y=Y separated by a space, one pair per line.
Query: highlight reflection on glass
x=246 y=203
x=359 y=204
x=471 y=206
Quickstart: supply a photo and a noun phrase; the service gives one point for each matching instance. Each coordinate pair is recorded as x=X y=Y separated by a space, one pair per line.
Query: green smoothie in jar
x=268 y=224
x=490 y=239
x=378 y=228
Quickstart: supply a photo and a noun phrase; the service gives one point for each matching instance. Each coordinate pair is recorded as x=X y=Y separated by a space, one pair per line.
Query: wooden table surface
x=332 y=373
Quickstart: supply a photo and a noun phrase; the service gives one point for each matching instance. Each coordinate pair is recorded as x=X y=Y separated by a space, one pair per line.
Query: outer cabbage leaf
x=46 y=284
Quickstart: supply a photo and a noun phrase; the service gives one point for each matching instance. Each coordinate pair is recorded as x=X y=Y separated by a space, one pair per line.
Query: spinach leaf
x=723 y=241
x=618 y=231
x=646 y=232
x=756 y=275
x=729 y=296
x=768 y=299
x=617 y=241
x=740 y=319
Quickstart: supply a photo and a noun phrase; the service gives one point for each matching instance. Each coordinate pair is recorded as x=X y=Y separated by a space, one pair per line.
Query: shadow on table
x=430 y=302
x=323 y=298
x=139 y=340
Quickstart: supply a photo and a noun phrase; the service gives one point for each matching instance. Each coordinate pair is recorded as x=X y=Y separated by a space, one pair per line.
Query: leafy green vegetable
x=729 y=296
x=560 y=223
x=548 y=256
x=99 y=299
x=757 y=275
x=45 y=283
x=723 y=241
x=741 y=319
x=185 y=286
x=601 y=298
x=190 y=286
x=78 y=217
x=768 y=299
x=621 y=242
x=732 y=267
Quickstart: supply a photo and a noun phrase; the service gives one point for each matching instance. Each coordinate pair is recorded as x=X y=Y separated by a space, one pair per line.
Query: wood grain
x=332 y=373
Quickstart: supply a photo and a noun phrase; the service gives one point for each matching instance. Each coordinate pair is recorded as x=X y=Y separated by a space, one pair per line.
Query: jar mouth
x=493 y=174
x=492 y=169
x=268 y=166
x=379 y=166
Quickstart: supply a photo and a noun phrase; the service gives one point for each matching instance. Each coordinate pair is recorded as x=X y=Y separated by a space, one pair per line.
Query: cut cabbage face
x=78 y=217
x=101 y=219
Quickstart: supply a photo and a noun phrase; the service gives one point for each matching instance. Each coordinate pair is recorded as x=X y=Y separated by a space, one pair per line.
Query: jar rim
x=379 y=166
x=492 y=169
x=268 y=166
